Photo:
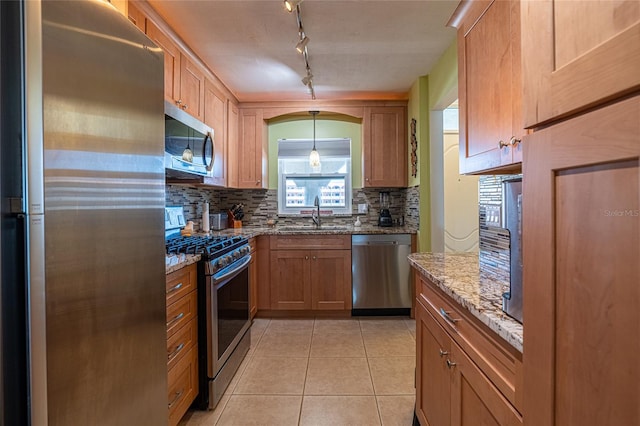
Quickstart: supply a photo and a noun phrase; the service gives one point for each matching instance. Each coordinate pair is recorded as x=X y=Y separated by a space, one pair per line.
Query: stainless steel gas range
x=223 y=306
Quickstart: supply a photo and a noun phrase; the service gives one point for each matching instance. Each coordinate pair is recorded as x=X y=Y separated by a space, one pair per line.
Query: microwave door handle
x=209 y=166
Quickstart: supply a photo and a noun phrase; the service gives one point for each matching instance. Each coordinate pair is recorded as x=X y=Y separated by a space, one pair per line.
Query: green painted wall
x=425 y=94
x=302 y=128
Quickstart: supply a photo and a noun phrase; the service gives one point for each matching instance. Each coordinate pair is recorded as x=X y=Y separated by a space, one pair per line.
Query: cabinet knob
x=450 y=364
x=179 y=101
x=258 y=182
x=306 y=258
x=185 y=106
x=514 y=141
x=502 y=144
x=443 y=353
x=314 y=258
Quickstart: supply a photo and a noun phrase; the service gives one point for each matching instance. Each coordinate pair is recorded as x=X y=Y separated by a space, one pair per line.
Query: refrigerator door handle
x=34 y=167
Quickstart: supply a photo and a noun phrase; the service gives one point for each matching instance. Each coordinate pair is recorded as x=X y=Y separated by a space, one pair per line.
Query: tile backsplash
x=494 y=241
x=262 y=204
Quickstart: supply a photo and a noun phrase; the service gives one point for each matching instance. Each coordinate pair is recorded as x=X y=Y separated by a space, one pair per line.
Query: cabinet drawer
x=496 y=359
x=181 y=342
x=181 y=282
x=181 y=312
x=182 y=385
x=292 y=242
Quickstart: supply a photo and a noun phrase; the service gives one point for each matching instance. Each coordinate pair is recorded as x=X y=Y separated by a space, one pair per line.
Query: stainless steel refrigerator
x=82 y=183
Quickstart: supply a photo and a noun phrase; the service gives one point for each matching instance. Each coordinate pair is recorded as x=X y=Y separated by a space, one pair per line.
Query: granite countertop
x=479 y=292
x=180 y=261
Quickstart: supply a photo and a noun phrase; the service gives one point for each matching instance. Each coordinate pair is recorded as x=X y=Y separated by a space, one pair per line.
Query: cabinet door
x=171 y=62
x=215 y=115
x=191 y=88
x=582 y=199
x=232 y=144
x=136 y=16
x=331 y=279
x=474 y=399
x=249 y=155
x=385 y=147
x=579 y=54
x=489 y=86
x=290 y=286
x=433 y=377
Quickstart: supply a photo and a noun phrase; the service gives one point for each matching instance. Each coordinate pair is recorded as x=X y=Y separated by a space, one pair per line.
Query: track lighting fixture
x=302 y=44
x=290 y=5
x=307 y=79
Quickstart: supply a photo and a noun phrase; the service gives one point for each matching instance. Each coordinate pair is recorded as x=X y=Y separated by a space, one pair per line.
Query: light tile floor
x=356 y=371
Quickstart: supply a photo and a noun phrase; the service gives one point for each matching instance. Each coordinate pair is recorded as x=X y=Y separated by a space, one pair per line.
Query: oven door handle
x=230 y=273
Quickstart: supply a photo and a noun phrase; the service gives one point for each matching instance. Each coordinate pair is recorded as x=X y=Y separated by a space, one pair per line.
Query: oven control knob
x=217 y=264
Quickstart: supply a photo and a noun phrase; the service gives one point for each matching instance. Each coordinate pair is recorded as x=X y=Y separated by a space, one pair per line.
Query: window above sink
x=299 y=183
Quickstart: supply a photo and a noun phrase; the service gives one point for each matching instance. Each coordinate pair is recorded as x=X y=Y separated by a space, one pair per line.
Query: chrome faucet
x=315 y=215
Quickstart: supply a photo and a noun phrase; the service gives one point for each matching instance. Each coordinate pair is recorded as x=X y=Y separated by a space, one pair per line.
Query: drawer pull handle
x=514 y=141
x=175 y=352
x=502 y=144
x=450 y=364
x=447 y=317
x=174 y=288
x=443 y=353
x=176 y=398
x=175 y=319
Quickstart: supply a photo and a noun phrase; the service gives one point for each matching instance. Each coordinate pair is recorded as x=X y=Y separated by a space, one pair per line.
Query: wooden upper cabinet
x=579 y=54
x=171 y=62
x=136 y=16
x=489 y=85
x=215 y=116
x=248 y=156
x=384 y=131
x=582 y=313
x=191 y=88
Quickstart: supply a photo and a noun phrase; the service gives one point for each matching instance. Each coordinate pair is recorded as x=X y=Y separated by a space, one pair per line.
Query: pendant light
x=314 y=157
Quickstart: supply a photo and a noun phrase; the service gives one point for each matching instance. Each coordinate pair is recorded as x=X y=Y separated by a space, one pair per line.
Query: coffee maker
x=385 y=216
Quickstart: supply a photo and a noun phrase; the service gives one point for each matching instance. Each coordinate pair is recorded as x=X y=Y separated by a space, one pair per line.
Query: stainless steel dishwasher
x=380 y=274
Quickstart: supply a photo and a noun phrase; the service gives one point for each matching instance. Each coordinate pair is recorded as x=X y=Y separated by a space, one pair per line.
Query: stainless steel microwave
x=188 y=144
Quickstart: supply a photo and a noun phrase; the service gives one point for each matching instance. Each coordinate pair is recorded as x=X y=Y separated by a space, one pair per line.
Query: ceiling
x=358 y=49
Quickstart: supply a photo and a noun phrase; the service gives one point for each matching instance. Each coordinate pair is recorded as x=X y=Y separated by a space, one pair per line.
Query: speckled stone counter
x=176 y=262
x=179 y=261
x=479 y=292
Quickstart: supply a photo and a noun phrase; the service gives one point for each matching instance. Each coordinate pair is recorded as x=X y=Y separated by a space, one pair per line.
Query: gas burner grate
x=208 y=247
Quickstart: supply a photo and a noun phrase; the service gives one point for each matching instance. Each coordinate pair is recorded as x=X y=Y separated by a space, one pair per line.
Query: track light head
x=302 y=44
x=290 y=5
x=307 y=79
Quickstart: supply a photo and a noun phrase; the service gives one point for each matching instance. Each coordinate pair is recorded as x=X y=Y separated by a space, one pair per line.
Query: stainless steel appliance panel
x=512 y=210
x=380 y=271
x=104 y=208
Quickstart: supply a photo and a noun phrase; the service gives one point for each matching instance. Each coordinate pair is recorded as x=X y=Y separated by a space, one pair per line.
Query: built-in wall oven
x=223 y=304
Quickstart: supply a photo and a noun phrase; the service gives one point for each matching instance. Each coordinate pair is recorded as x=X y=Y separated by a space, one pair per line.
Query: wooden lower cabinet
x=450 y=388
x=253 y=279
x=182 y=341
x=308 y=279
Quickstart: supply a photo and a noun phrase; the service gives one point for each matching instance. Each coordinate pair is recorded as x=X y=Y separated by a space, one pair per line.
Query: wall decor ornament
x=414 y=149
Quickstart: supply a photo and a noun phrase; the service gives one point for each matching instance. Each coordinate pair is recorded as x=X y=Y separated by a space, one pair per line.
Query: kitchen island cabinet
x=384 y=147
x=578 y=55
x=310 y=273
x=489 y=85
x=182 y=341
